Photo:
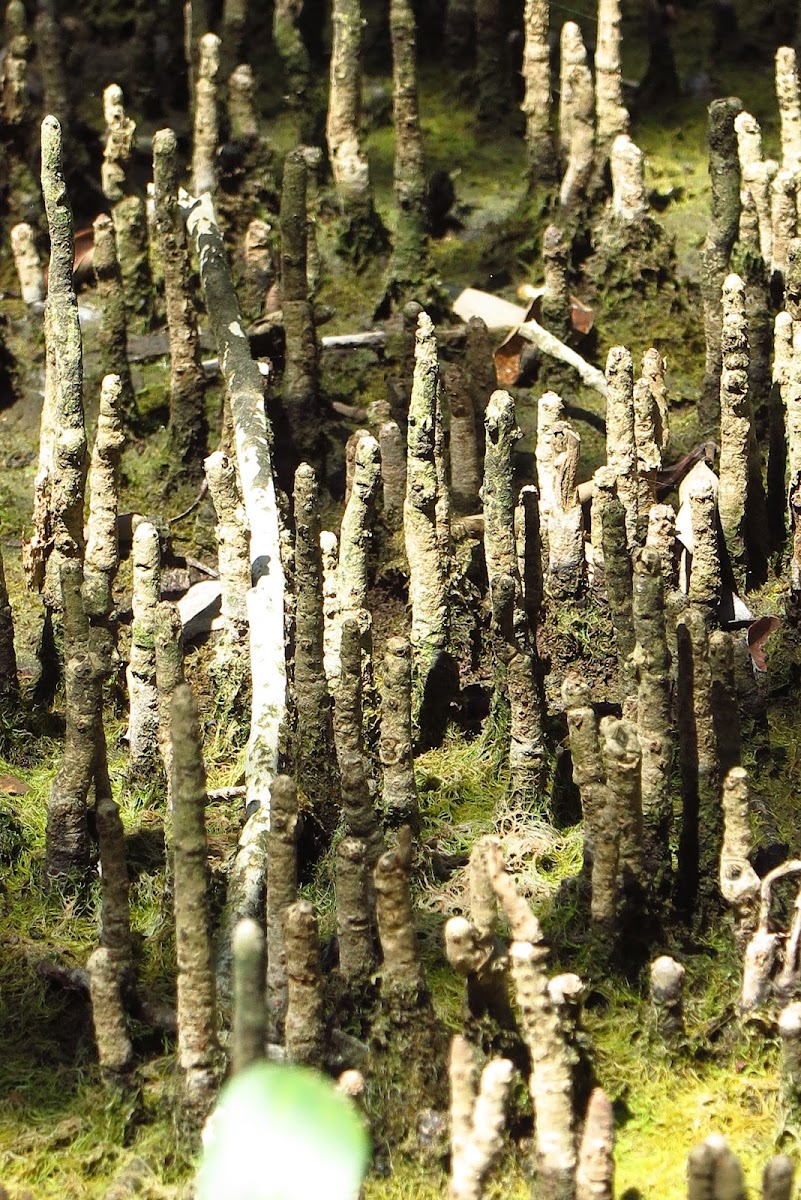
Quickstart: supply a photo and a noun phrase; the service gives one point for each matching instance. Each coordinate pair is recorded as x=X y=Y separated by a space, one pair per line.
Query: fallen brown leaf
x=11 y=786
x=758 y=634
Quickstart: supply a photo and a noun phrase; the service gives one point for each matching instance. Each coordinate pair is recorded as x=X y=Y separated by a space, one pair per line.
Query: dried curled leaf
x=758 y=634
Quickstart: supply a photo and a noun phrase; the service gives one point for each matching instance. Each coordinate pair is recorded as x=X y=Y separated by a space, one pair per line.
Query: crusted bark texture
x=576 y=117
x=589 y=775
x=363 y=233
x=788 y=96
x=9 y=683
x=141 y=673
x=617 y=576
x=612 y=118
x=706 y=582
x=198 y=1052
x=393 y=474
x=282 y=889
x=523 y=925
x=250 y=1015
x=115 y=916
x=114 y=1048
x=266 y=598
x=258 y=268
x=28 y=264
x=478 y=1115
x=167 y=634
x=667 y=996
x=241 y=112
x=540 y=147
x=300 y=388
x=761 y=531
x=357 y=802
x=206 y=133
x=603 y=494
x=479 y=366
x=653 y=373
x=128 y=211
x=551 y=1079
x=739 y=882
x=102 y=553
x=629 y=199
x=113 y=327
x=724 y=701
x=756 y=175
x=187 y=423
x=509 y=615
x=724 y=174
x=233 y=558
x=427 y=573
x=783 y=217
x=410 y=269
x=315 y=759
x=654 y=716
x=529 y=552
x=465 y=461
x=555 y=302
x=661 y=537
x=620 y=749
x=67 y=835
x=595 y=1170
x=621 y=443
x=566 y=563
x=120 y=132
x=782 y=354
x=304 y=1028
x=401 y=970
x=332 y=625
x=737 y=441
x=355 y=910
x=702 y=826
x=399 y=792
x=550 y=411
x=61 y=476
x=471 y=946
x=649 y=456
x=791 y=395
x=355 y=534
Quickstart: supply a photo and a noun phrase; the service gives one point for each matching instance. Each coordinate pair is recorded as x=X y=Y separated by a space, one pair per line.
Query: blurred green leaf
x=283 y=1133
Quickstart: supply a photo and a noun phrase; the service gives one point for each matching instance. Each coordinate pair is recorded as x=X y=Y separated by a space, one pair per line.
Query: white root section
x=789 y=100
x=30 y=271
x=332 y=625
x=232 y=543
x=548 y=343
x=739 y=882
x=595 y=1173
x=265 y=600
x=576 y=115
x=629 y=201
x=477 y=1120
x=763 y=949
x=206 y=131
x=143 y=722
x=102 y=555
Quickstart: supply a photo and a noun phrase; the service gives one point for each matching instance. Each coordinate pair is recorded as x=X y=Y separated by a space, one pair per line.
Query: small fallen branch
x=507 y=356
x=76 y=979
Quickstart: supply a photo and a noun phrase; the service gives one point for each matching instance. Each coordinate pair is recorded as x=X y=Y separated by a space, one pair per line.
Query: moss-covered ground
x=61 y=1132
